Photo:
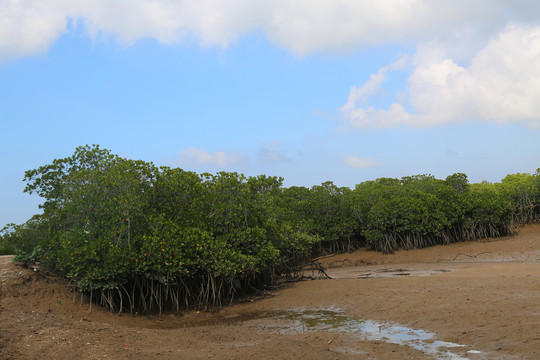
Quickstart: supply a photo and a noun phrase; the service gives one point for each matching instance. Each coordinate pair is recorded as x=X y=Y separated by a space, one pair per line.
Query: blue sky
x=312 y=91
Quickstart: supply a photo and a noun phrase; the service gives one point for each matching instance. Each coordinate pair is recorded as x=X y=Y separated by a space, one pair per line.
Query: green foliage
x=23 y=238
x=7 y=243
x=49 y=181
x=322 y=214
x=523 y=191
x=331 y=209
x=28 y=258
x=139 y=238
x=419 y=211
x=124 y=230
x=458 y=181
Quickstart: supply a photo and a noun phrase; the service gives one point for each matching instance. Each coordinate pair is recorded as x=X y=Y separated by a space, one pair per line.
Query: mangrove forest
x=139 y=238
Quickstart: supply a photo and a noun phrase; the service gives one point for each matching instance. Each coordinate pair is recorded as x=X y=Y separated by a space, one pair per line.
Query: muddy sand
x=472 y=300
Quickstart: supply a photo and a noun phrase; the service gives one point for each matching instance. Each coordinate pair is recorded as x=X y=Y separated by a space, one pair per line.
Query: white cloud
x=362 y=116
x=195 y=157
x=501 y=84
x=361 y=163
x=301 y=26
x=373 y=84
x=28 y=27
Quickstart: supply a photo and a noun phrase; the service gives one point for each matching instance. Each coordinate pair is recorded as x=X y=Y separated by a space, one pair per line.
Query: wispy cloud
x=272 y=152
x=270 y=156
x=451 y=152
x=196 y=157
x=360 y=114
x=500 y=85
x=361 y=163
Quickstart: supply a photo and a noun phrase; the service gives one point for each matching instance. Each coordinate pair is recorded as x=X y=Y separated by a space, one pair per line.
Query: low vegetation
x=139 y=238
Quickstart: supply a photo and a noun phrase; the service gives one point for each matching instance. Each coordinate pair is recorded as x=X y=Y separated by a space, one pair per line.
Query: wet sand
x=482 y=295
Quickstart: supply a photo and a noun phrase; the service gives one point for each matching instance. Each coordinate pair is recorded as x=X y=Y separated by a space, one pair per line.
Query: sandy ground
x=483 y=296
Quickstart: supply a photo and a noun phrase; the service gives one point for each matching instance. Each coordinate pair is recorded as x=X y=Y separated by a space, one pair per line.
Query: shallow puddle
x=356 y=273
x=299 y=321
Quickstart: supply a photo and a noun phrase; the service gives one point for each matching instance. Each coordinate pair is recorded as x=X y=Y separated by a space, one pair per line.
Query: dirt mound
x=478 y=300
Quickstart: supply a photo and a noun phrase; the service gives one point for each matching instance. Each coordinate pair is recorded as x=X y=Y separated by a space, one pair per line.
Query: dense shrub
x=139 y=238
x=422 y=211
x=23 y=238
x=523 y=191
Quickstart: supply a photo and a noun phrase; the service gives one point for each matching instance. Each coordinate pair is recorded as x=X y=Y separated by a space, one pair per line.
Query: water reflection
x=299 y=321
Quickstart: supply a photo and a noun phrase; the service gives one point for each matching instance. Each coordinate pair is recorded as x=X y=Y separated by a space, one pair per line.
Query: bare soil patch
x=484 y=295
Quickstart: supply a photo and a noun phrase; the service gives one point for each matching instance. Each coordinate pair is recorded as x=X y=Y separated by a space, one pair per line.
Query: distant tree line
x=139 y=238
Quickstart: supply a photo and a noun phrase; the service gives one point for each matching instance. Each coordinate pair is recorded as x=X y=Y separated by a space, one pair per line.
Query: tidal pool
x=308 y=320
x=361 y=273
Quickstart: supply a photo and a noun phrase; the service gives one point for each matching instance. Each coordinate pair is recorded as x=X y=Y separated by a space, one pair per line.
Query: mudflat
x=470 y=300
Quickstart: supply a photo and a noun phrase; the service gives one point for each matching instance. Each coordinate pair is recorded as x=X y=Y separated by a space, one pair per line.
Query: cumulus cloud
x=301 y=26
x=28 y=27
x=361 y=163
x=501 y=84
x=196 y=157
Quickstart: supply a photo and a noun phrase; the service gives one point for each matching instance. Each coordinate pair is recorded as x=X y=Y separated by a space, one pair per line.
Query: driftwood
x=314 y=266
